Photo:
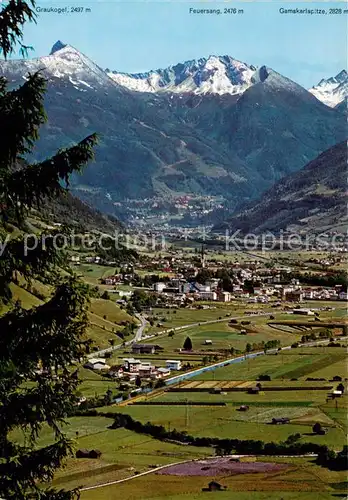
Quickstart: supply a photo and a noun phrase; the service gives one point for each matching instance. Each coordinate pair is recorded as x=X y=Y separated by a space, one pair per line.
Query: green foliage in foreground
x=36 y=345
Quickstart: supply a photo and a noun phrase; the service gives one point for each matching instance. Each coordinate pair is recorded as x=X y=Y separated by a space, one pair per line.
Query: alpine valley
x=312 y=200
x=215 y=129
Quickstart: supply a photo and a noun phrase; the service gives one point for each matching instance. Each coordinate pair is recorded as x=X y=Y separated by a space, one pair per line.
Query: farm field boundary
x=243 y=389
x=180 y=403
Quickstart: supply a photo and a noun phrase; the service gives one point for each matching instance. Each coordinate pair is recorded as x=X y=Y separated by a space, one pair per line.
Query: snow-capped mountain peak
x=64 y=62
x=332 y=91
x=212 y=75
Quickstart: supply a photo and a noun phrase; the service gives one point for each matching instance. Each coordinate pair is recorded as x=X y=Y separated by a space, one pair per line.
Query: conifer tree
x=37 y=346
x=187 y=344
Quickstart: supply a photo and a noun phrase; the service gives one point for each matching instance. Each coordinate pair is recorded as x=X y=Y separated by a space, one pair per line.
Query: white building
x=173 y=364
x=122 y=293
x=202 y=288
x=159 y=287
x=97 y=364
x=163 y=372
x=131 y=365
x=263 y=299
x=145 y=369
x=225 y=297
x=111 y=280
x=303 y=311
x=208 y=295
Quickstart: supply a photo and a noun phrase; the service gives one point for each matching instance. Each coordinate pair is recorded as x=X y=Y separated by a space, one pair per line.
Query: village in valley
x=209 y=349
x=198 y=283
x=205 y=366
x=173 y=251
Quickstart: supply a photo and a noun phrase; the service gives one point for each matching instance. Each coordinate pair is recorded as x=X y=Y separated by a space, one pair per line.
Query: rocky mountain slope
x=313 y=199
x=143 y=148
x=67 y=209
x=214 y=75
x=219 y=75
x=168 y=144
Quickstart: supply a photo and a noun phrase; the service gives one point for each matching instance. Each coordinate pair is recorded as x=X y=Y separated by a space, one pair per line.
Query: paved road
x=141 y=328
x=137 y=338
x=140 y=331
x=139 y=334
x=200 y=323
x=184 y=462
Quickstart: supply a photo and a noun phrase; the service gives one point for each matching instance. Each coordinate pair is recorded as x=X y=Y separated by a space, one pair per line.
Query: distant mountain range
x=234 y=143
x=219 y=75
x=312 y=200
x=214 y=75
x=333 y=91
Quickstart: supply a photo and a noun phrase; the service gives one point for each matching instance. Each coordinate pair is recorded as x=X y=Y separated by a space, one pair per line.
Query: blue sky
x=139 y=36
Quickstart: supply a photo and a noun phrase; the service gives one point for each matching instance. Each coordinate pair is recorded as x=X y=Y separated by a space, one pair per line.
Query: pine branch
x=21 y=471
x=49 y=337
x=29 y=408
x=50 y=334
x=16 y=257
x=21 y=115
x=12 y=18
x=27 y=187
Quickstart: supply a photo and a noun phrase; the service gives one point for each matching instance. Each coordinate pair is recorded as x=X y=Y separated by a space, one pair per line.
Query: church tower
x=202 y=257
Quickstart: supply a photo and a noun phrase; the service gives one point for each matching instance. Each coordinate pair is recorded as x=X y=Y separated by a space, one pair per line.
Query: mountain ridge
x=312 y=199
x=219 y=75
x=214 y=74
x=169 y=144
x=332 y=91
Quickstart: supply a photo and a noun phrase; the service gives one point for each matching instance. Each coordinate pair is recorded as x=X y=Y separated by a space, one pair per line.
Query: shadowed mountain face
x=168 y=144
x=276 y=126
x=68 y=209
x=313 y=199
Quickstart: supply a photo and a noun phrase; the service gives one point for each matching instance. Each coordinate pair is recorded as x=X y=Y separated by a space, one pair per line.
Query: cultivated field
x=288 y=364
x=303 y=402
x=300 y=479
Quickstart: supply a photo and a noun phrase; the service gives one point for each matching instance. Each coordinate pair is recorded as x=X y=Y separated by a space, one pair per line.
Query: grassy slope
x=301 y=481
x=100 y=329
x=122 y=452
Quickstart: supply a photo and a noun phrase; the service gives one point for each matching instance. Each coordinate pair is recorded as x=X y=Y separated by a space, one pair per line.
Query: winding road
x=137 y=338
x=140 y=331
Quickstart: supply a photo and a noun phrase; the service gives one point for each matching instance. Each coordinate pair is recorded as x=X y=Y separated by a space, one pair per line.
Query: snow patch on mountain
x=332 y=91
x=213 y=75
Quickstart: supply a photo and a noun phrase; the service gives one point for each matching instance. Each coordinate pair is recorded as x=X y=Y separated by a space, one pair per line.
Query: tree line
x=227 y=446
